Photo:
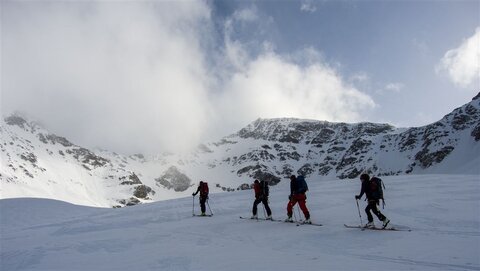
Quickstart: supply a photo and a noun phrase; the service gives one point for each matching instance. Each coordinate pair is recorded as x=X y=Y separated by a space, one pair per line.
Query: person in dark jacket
x=261 y=195
x=298 y=188
x=370 y=189
x=203 y=189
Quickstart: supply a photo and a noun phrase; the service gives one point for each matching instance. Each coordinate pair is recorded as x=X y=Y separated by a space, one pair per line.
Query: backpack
x=302 y=186
x=264 y=188
x=376 y=189
x=204 y=189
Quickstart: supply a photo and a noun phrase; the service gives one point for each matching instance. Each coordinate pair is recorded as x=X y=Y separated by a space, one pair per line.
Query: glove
x=290 y=197
x=357 y=196
x=193 y=194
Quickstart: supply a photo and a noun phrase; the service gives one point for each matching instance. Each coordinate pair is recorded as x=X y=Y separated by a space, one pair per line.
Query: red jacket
x=256 y=188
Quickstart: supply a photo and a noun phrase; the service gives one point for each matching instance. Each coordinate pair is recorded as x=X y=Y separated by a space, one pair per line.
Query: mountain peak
x=476 y=97
x=17 y=120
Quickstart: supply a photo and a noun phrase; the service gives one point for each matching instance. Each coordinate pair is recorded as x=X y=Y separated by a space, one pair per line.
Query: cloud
x=272 y=86
x=153 y=76
x=462 y=64
x=396 y=87
x=308 y=6
x=300 y=85
x=117 y=75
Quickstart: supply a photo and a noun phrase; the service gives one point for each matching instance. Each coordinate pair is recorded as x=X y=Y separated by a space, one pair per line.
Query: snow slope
x=442 y=211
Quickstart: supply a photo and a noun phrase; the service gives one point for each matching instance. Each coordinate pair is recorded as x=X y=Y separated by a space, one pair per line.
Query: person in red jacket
x=203 y=189
x=261 y=195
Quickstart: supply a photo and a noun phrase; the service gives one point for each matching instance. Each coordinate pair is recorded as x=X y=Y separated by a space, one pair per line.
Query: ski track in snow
x=441 y=210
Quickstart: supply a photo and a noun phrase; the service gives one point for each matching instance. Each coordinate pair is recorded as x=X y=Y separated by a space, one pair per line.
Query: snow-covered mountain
x=37 y=163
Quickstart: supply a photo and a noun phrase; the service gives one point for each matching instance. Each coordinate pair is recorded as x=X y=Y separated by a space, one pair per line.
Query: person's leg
x=202 y=204
x=254 y=209
x=367 y=210
x=303 y=206
x=265 y=203
x=290 y=205
x=377 y=212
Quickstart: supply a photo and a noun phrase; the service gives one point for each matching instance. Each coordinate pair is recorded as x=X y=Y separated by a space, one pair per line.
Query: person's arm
x=362 y=191
x=198 y=190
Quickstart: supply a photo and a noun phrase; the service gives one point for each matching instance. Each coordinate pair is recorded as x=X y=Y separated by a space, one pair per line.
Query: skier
x=203 y=189
x=298 y=188
x=372 y=187
x=261 y=195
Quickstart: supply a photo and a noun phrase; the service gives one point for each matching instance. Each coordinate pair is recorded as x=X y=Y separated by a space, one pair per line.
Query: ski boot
x=269 y=217
x=254 y=217
x=370 y=225
x=385 y=222
x=289 y=219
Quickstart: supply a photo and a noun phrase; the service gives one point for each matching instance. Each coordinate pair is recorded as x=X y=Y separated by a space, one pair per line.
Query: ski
x=261 y=218
x=313 y=224
x=377 y=229
x=203 y=215
x=298 y=223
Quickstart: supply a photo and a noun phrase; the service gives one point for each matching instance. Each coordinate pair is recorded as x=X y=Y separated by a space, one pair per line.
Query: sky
x=154 y=76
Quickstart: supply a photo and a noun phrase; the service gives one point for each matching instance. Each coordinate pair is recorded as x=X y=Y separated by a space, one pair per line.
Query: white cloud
x=308 y=6
x=246 y=14
x=396 y=87
x=140 y=76
x=116 y=75
x=463 y=63
x=271 y=86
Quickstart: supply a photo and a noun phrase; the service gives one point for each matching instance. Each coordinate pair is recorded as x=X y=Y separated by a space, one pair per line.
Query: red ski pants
x=300 y=198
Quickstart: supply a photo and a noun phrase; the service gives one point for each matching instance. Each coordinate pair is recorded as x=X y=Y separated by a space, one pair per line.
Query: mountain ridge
x=37 y=163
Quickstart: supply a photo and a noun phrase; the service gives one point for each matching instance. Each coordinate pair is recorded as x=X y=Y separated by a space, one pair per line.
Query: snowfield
x=443 y=212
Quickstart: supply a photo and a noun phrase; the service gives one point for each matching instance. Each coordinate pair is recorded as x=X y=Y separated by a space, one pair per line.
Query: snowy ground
x=442 y=210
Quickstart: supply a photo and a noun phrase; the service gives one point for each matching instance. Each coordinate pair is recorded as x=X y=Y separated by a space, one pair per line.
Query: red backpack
x=204 y=189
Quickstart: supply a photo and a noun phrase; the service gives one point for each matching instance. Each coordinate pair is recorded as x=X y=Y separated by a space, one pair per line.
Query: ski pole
x=209 y=207
x=193 y=205
x=358 y=208
x=295 y=216
x=299 y=214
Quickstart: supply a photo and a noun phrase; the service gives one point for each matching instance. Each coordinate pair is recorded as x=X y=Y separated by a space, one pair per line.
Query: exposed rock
x=324 y=136
x=42 y=138
x=142 y=191
x=476 y=132
x=244 y=186
x=173 y=178
x=350 y=174
x=249 y=169
x=87 y=157
x=202 y=148
x=132 y=179
x=60 y=140
x=16 y=120
x=30 y=157
x=132 y=202
x=427 y=159
x=259 y=172
x=305 y=170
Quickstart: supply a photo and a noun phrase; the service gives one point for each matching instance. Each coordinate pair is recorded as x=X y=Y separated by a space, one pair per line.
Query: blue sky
x=165 y=75
x=392 y=48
